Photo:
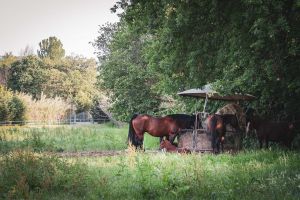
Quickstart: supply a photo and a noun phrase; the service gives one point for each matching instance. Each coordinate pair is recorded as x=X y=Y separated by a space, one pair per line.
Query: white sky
x=74 y=22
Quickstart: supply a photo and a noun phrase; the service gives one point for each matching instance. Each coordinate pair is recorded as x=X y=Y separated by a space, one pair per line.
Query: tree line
x=162 y=47
x=49 y=73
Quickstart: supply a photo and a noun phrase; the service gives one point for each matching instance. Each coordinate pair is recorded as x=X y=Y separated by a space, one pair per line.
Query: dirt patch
x=96 y=153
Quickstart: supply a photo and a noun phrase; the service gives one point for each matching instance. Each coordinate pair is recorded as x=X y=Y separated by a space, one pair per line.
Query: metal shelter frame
x=207 y=92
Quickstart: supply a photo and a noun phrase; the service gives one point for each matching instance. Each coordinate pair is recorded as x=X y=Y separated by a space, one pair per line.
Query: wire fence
x=56 y=122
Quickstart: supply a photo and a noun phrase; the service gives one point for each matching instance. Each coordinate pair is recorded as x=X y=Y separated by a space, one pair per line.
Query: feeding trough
x=198 y=139
x=195 y=140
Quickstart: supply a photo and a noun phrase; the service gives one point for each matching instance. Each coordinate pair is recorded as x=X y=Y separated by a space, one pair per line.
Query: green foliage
x=24 y=175
x=102 y=42
x=259 y=175
x=263 y=174
x=28 y=75
x=126 y=77
x=12 y=108
x=51 y=48
x=17 y=109
x=65 y=138
x=11 y=139
x=5 y=97
x=73 y=79
x=5 y=64
x=242 y=47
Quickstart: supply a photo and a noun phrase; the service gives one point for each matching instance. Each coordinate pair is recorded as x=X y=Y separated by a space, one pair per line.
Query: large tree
x=74 y=79
x=102 y=42
x=51 y=48
x=124 y=73
x=248 y=46
x=5 y=65
x=28 y=75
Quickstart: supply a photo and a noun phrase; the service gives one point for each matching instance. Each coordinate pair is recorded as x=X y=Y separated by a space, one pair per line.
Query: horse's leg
x=215 y=143
x=260 y=143
x=139 y=140
x=218 y=144
x=222 y=145
x=160 y=139
x=222 y=138
x=172 y=137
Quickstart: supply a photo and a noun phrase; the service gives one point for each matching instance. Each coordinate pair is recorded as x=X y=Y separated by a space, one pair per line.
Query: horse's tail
x=131 y=133
x=211 y=124
x=211 y=130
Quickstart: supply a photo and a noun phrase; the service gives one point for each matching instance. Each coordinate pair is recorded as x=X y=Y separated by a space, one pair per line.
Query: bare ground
x=97 y=153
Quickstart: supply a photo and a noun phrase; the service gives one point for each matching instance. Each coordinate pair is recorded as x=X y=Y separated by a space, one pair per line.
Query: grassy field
x=27 y=171
x=68 y=138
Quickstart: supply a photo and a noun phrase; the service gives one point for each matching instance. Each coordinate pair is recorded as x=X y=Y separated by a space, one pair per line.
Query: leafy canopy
x=248 y=46
x=51 y=48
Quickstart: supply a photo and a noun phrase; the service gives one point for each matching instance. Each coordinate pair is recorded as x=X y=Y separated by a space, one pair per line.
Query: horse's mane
x=180 y=116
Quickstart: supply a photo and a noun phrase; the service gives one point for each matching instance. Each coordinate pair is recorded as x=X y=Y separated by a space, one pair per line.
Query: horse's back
x=275 y=131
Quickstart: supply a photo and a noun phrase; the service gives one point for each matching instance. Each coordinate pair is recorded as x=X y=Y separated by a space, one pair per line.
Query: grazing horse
x=216 y=127
x=281 y=132
x=168 y=126
x=166 y=144
x=186 y=121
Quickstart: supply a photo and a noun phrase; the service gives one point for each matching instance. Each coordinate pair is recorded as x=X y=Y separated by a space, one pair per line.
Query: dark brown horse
x=281 y=132
x=216 y=127
x=168 y=126
x=166 y=144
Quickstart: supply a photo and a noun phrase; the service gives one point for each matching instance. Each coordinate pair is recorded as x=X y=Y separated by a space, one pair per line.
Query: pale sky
x=74 y=22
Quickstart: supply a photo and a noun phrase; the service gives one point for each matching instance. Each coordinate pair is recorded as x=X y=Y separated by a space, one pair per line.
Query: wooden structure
x=198 y=140
x=195 y=140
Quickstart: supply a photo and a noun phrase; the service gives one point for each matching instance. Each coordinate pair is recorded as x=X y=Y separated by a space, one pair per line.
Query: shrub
x=17 y=109
x=12 y=107
x=25 y=175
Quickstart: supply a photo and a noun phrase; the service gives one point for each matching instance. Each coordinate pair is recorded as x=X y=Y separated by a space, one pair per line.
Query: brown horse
x=168 y=126
x=216 y=127
x=166 y=144
x=281 y=132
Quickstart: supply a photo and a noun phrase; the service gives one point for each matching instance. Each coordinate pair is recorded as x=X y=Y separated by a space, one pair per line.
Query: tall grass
x=254 y=175
x=251 y=175
x=44 y=109
x=26 y=174
x=68 y=138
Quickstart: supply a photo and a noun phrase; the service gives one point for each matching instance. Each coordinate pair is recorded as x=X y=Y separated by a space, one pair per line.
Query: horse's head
x=166 y=144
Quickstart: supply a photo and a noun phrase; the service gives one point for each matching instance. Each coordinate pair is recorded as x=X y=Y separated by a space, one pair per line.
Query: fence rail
x=54 y=122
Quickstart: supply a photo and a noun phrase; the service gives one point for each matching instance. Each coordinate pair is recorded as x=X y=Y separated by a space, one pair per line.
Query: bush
x=25 y=175
x=17 y=109
x=12 y=107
